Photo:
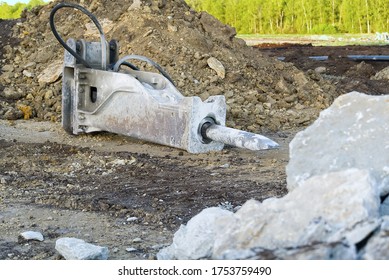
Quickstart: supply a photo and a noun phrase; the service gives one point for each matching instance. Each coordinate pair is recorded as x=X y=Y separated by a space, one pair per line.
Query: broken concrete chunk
x=352 y=133
x=195 y=240
x=324 y=218
x=314 y=213
x=384 y=209
x=216 y=65
x=52 y=73
x=77 y=249
x=377 y=247
x=32 y=235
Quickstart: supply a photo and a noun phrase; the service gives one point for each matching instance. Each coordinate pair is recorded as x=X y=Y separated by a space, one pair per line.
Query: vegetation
x=13 y=11
x=299 y=16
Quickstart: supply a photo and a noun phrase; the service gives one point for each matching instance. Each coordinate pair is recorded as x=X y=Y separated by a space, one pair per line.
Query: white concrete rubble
x=314 y=213
x=196 y=239
x=77 y=249
x=352 y=133
x=32 y=235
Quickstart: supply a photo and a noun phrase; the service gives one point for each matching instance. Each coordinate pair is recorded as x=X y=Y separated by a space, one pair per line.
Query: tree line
x=13 y=11
x=299 y=16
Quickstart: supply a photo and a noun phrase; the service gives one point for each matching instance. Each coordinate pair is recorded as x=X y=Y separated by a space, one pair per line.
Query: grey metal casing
x=143 y=105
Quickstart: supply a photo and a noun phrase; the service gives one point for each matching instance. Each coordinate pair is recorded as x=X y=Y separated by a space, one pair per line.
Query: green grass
x=314 y=39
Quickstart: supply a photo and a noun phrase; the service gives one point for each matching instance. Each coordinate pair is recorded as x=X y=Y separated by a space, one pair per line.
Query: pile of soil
x=262 y=93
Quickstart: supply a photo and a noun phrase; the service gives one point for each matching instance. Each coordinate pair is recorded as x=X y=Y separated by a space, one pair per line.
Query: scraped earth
x=346 y=74
x=88 y=186
x=93 y=186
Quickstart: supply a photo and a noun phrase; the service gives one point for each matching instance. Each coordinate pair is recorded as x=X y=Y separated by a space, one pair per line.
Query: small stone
x=267 y=105
x=28 y=74
x=49 y=94
x=136 y=5
x=320 y=69
x=132 y=219
x=172 y=28
x=32 y=235
x=8 y=68
x=30 y=65
x=51 y=74
x=216 y=65
x=131 y=249
x=13 y=114
x=137 y=240
x=11 y=93
x=77 y=249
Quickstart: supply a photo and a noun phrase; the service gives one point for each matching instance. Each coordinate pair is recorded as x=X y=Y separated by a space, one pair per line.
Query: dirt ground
x=93 y=186
x=88 y=186
x=346 y=74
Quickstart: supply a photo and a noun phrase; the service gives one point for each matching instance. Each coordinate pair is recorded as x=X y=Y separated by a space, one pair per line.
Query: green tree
x=5 y=10
x=12 y=12
x=299 y=16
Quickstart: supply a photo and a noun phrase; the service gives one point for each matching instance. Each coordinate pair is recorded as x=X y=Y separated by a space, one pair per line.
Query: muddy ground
x=91 y=186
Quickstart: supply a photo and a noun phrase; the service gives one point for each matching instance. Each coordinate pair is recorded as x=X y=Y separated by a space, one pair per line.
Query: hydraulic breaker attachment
x=98 y=95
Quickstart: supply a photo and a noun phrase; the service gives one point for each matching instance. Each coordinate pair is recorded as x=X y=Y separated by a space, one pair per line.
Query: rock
x=322 y=219
x=32 y=235
x=377 y=247
x=77 y=249
x=321 y=251
x=320 y=70
x=137 y=240
x=51 y=73
x=216 y=65
x=334 y=202
x=132 y=219
x=13 y=114
x=11 y=93
x=196 y=239
x=300 y=79
x=384 y=209
x=136 y=5
x=382 y=75
x=28 y=74
x=7 y=68
x=352 y=133
x=172 y=28
x=131 y=249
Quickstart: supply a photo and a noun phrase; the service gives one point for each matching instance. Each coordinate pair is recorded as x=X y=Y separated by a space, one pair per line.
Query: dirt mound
x=262 y=93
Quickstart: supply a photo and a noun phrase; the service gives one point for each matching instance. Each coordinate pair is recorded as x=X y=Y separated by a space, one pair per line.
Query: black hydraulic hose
x=132 y=66
x=62 y=42
x=117 y=65
x=142 y=58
